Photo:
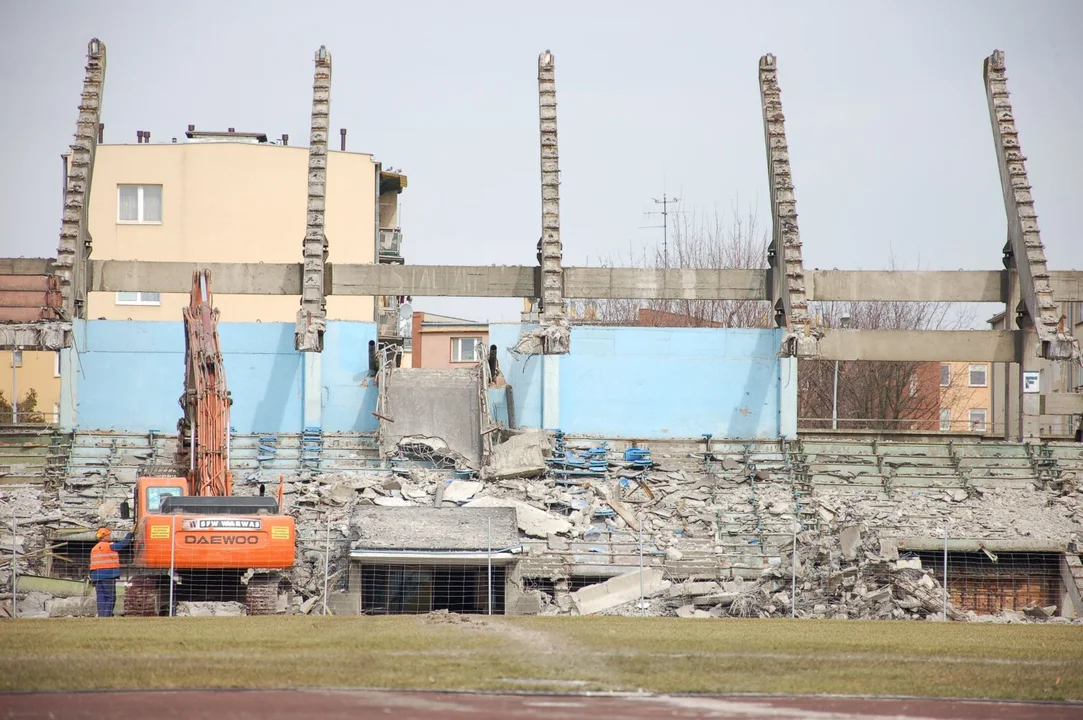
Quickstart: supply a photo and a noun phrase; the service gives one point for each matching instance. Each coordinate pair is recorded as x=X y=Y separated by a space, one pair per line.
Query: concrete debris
x=532 y=521
x=619 y=590
x=208 y=609
x=521 y=455
x=721 y=542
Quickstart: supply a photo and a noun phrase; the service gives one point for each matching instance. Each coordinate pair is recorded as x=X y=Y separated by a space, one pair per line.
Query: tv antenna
x=665 y=202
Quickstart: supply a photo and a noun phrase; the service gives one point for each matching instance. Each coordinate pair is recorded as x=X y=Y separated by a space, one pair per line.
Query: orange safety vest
x=104 y=557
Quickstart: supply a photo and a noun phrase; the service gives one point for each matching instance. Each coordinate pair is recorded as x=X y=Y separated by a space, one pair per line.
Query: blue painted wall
x=655 y=382
x=130 y=376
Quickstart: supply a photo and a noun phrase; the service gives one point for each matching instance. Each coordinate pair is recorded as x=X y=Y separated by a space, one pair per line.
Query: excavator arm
x=204 y=424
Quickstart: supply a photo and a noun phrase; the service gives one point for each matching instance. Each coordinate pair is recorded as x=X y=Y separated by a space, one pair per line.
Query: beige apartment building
x=235 y=197
x=966 y=398
x=29 y=374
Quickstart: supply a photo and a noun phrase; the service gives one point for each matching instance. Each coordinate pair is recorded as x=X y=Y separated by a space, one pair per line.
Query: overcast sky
x=889 y=132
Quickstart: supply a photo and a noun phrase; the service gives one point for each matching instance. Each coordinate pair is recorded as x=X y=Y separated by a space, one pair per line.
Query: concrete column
x=1029 y=404
x=550 y=392
x=787 y=397
x=69 y=376
x=312 y=389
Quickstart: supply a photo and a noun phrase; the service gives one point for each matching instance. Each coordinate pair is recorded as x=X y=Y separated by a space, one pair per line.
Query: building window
x=16 y=358
x=945 y=420
x=56 y=364
x=56 y=413
x=139 y=298
x=945 y=375
x=463 y=349
x=139 y=203
x=977 y=420
x=978 y=376
x=913 y=384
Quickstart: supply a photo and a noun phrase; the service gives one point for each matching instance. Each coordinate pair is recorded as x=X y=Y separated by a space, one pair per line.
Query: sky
x=887 y=121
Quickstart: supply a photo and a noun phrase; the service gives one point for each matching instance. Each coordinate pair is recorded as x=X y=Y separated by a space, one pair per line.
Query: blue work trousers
x=107 y=596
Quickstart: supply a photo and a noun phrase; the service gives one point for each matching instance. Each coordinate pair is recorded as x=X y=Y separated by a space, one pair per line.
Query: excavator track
x=142 y=597
x=261 y=596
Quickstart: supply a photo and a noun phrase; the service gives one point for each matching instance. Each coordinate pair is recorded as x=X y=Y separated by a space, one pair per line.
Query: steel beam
x=919 y=345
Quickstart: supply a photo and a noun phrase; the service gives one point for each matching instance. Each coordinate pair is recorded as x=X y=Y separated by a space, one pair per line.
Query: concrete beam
x=579 y=282
x=907 y=285
x=657 y=284
x=975 y=544
x=1061 y=404
x=919 y=345
x=34 y=335
x=176 y=277
x=435 y=280
x=26 y=266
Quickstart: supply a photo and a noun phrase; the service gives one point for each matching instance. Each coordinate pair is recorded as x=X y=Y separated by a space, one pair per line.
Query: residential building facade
x=34 y=378
x=234 y=197
x=966 y=398
x=440 y=341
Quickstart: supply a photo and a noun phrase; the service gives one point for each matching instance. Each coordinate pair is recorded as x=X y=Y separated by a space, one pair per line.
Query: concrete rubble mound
x=614 y=528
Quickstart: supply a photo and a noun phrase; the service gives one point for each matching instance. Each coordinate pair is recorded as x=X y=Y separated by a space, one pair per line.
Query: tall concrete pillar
x=550 y=249
x=75 y=241
x=312 y=316
x=312 y=389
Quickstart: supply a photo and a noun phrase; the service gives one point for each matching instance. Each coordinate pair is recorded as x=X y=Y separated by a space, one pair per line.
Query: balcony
x=390 y=248
x=388 y=324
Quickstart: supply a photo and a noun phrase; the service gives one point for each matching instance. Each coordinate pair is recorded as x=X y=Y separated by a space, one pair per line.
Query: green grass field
x=547 y=653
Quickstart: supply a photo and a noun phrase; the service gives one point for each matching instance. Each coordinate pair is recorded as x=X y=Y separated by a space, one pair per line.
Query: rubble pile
x=713 y=532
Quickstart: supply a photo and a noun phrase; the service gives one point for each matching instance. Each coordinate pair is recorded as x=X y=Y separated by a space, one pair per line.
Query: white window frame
x=456 y=349
x=56 y=413
x=16 y=358
x=943 y=367
x=976 y=425
x=985 y=374
x=945 y=419
x=56 y=364
x=139 y=299
x=139 y=204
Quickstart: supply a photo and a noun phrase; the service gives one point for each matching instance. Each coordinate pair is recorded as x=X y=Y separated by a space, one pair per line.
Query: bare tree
x=695 y=241
x=894 y=395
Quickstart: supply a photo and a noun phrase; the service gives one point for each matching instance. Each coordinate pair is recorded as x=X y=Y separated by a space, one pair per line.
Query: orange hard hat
x=103 y=533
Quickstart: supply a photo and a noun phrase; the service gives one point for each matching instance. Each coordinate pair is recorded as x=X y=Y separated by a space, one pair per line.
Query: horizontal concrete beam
x=915 y=286
x=927 y=285
x=579 y=282
x=1062 y=404
x=435 y=280
x=656 y=284
x=975 y=544
x=34 y=335
x=176 y=277
x=26 y=266
x=919 y=345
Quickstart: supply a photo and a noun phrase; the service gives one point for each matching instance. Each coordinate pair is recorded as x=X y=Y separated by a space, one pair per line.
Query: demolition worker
x=105 y=569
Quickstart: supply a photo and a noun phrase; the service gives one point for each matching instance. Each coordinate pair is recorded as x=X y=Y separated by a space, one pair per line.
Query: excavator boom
x=204 y=426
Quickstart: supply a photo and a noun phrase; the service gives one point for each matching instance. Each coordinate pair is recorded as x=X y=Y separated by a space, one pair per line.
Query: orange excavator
x=217 y=546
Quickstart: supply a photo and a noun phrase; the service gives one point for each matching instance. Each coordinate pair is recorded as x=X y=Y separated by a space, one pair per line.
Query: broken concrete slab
x=531 y=520
x=460 y=491
x=619 y=590
x=850 y=540
x=71 y=607
x=521 y=455
x=208 y=609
